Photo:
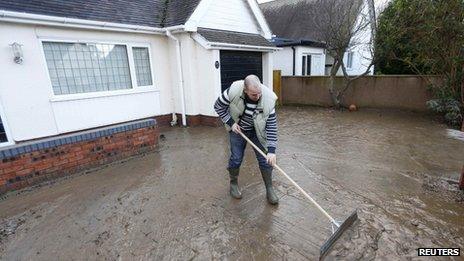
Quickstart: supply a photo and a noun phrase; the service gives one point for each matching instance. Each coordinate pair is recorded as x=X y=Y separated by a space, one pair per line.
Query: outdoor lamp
x=17 y=52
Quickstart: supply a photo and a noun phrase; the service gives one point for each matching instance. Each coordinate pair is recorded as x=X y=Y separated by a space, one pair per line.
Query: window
x=349 y=60
x=306 y=65
x=95 y=67
x=142 y=66
x=3 y=137
x=303 y=64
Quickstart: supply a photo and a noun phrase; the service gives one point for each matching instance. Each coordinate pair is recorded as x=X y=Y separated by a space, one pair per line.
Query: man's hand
x=271 y=159
x=236 y=128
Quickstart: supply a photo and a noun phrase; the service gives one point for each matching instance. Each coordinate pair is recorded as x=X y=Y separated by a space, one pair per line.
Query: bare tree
x=343 y=25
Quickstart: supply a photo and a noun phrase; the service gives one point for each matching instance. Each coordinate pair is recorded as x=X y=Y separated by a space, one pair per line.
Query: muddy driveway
x=396 y=168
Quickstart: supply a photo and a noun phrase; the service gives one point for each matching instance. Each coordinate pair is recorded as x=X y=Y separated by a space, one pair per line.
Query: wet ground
x=397 y=169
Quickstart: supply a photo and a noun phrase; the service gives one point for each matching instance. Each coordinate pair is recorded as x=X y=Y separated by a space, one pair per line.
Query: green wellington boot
x=234 y=189
x=270 y=194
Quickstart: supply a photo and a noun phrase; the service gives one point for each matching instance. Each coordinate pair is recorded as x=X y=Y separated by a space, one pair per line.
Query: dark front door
x=236 y=65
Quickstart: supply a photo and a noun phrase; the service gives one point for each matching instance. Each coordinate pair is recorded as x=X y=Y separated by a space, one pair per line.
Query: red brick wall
x=192 y=120
x=30 y=168
x=164 y=120
x=211 y=121
x=36 y=164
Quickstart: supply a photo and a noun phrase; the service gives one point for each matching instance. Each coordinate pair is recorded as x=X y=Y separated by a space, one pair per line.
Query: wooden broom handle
x=293 y=182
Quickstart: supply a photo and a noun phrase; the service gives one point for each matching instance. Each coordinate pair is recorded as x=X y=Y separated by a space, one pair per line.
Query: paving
x=398 y=169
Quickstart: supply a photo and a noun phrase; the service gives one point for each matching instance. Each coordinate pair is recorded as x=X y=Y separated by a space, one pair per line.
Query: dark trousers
x=237 y=149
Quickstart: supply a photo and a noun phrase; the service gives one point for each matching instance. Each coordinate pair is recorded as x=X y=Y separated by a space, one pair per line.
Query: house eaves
x=279 y=42
x=220 y=39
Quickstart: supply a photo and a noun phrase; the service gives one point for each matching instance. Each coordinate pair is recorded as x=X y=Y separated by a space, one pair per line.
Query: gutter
x=217 y=45
x=175 y=29
x=227 y=46
x=181 y=78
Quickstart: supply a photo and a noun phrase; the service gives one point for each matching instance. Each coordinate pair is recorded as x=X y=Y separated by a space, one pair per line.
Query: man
x=248 y=107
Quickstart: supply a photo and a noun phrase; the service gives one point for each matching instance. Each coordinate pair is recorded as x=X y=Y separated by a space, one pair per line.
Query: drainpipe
x=181 y=77
x=293 y=48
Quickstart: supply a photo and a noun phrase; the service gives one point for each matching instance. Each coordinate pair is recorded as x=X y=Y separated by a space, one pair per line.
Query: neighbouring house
x=85 y=82
x=300 y=57
x=302 y=52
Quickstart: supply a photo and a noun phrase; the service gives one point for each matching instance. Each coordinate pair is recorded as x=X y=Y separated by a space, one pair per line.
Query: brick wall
x=27 y=164
x=192 y=120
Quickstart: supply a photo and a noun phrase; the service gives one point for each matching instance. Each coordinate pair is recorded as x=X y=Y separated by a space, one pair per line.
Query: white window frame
x=305 y=71
x=348 y=65
x=6 y=127
x=306 y=54
x=77 y=96
x=133 y=62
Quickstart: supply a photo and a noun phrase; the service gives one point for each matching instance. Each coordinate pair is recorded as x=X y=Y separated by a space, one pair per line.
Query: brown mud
x=398 y=169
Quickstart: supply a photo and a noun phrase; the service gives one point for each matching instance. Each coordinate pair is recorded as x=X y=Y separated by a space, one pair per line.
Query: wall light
x=17 y=52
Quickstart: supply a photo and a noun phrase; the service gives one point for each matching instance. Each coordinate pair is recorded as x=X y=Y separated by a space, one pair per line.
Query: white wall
x=230 y=15
x=361 y=48
x=267 y=70
x=316 y=69
x=31 y=110
x=202 y=82
x=30 y=107
x=361 y=60
x=208 y=80
x=283 y=60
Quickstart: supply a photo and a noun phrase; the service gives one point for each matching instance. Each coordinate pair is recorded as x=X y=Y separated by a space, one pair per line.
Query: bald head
x=252 y=82
x=253 y=87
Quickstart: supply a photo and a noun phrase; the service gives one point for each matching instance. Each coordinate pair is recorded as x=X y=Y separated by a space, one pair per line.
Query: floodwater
x=398 y=169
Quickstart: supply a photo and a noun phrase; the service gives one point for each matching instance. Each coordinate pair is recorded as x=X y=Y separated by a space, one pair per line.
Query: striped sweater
x=246 y=121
